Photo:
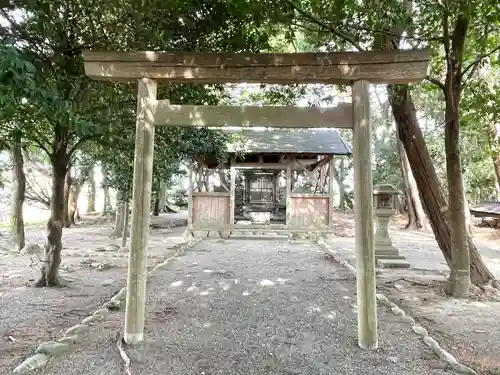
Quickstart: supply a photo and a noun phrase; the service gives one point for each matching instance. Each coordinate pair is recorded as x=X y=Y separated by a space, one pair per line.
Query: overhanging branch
x=473 y=65
x=325 y=26
x=82 y=140
x=435 y=81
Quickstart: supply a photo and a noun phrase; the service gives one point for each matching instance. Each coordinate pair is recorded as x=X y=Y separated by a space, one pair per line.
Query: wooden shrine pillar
x=232 y=191
x=331 y=195
x=288 y=196
x=190 y=198
x=363 y=220
x=141 y=211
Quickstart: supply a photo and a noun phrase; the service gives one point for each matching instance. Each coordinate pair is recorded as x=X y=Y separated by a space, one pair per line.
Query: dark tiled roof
x=300 y=141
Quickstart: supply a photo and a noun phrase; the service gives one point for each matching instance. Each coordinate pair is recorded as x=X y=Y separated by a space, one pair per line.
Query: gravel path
x=253 y=307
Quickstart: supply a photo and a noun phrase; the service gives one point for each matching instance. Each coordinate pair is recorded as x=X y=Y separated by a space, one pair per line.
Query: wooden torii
x=357 y=69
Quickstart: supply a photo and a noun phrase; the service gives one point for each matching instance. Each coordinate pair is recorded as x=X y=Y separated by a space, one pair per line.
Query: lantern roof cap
x=385 y=189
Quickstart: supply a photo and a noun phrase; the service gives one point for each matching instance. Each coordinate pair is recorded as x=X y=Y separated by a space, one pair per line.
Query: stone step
x=393 y=263
x=257 y=237
x=389 y=256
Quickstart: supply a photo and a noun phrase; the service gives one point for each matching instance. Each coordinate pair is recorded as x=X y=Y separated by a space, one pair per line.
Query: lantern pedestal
x=386 y=255
x=383 y=243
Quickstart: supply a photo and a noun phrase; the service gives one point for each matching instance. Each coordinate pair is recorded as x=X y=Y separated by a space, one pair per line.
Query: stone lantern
x=384 y=201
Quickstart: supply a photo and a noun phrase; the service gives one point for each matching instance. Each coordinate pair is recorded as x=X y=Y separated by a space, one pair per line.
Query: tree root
x=123 y=354
x=58 y=282
x=409 y=281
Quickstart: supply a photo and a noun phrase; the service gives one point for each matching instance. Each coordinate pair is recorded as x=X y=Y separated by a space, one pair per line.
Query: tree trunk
x=496 y=164
x=460 y=272
x=106 y=209
x=468 y=219
x=17 y=198
x=340 y=182
x=199 y=177
x=120 y=214
x=125 y=224
x=74 y=214
x=53 y=242
x=67 y=191
x=206 y=179
x=433 y=199
x=91 y=191
x=162 y=197
x=156 y=207
x=416 y=215
x=494 y=143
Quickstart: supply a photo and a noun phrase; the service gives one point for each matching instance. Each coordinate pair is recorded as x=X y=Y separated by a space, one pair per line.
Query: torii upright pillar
x=141 y=212
x=363 y=212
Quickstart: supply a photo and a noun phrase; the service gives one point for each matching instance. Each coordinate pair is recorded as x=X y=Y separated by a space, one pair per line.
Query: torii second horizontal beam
x=166 y=114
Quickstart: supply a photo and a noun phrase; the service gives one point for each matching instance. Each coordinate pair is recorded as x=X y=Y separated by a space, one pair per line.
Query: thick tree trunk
x=416 y=215
x=433 y=199
x=67 y=192
x=106 y=209
x=125 y=224
x=199 y=179
x=496 y=165
x=119 y=218
x=459 y=278
x=91 y=191
x=454 y=48
x=17 y=198
x=494 y=140
x=75 y=190
x=468 y=218
x=53 y=242
x=156 y=207
x=339 y=178
x=206 y=179
x=162 y=197
x=74 y=214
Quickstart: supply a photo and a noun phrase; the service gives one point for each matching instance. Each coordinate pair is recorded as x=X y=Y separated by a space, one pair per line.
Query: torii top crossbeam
x=277 y=68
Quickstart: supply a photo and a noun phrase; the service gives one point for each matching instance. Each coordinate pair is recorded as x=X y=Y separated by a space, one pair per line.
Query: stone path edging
x=77 y=333
x=417 y=328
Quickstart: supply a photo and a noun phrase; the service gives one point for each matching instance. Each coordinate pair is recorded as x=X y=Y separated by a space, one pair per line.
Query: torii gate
x=358 y=69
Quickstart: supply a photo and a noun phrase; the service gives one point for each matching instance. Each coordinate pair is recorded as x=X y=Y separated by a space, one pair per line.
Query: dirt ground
x=92 y=269
x=254 y=307
x=467 y=328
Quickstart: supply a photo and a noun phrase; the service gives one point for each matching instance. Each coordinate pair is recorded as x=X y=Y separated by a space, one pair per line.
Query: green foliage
x=344 y=25
x=46 y=97
x=16 y=85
